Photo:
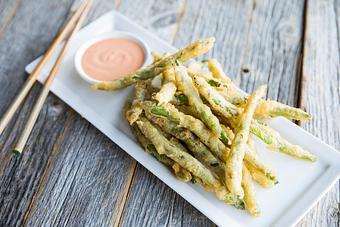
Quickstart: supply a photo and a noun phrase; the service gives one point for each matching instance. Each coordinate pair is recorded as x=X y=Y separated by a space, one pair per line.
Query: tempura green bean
x=185 y=84
x=181 y=173
x=234 y=163
x=276 y=142
x=265 y=133
x=195 y=146
x=140 y=92
x=249 y=193
x=168 y=88
x=163 y=146
x=273 y=109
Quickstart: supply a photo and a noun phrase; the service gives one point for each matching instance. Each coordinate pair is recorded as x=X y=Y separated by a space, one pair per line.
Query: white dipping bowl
x=107 y=35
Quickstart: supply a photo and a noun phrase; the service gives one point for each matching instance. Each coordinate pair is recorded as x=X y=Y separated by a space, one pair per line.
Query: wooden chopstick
x=34 y=75
x=44 y=93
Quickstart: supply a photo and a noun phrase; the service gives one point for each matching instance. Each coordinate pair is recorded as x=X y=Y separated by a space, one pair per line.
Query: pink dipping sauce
x=112 y=58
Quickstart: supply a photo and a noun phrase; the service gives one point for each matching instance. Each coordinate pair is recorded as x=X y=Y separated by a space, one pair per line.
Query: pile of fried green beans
x=195 y=120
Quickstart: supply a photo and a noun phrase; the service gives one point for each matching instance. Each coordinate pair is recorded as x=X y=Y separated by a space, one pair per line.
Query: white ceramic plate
x=301 y=183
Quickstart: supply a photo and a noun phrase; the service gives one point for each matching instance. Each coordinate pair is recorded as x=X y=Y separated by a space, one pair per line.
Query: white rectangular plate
x=301 y=184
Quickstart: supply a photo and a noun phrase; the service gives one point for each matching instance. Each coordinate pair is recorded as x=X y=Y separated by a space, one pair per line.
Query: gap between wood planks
x=300 y=98
x=133 y=169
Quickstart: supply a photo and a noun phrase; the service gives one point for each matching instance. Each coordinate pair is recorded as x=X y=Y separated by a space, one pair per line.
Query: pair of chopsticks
x=75 y=22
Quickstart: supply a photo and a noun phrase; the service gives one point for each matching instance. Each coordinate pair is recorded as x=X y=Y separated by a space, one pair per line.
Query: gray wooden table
x=70 y=174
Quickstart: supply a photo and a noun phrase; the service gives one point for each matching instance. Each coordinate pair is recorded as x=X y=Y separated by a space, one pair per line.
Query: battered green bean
x=194 y=125
x=214 y=99
x=249 y=193
x=181 y=173
x=234 y=163
x=193 y=50
x=265 y=133
x=195 y=146
x=168 y=88
x=216 y=70
x=276 y=142
x=135 y=111
x=163 y=146
x=273 y=109
x=231 y=93
x=259 y=177
x=184 y=83
x=266 y=107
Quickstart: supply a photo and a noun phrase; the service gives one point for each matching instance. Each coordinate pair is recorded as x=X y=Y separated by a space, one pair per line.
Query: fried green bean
x=193 y=50
x=273 y=109
x=135 y=111
x=185 y=84
x=193 y=124
x=259 y=177
x=168 y=88
x=249 y=193
x=223 y=84
x=181 y=173
x=214 y=99
x=234 y=162
x=216 y=70
x=195 y=146
x=232 y=94
x=163 y=146
x=276 y=142
x=156 y=56
x=264 y=132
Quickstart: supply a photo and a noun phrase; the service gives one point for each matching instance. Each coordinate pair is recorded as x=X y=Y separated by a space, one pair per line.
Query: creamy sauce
x=113 y=58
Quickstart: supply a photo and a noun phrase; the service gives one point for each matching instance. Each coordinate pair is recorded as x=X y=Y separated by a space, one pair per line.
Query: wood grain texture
x=257 y=41
x=20 y=176
x=320 y=93
x=69 y=172
x=152 y=203
x=8 y=10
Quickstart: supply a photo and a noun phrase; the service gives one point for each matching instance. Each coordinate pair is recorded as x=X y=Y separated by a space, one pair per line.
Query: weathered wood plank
x=273 y=49
x=7 y=12
x=86 y=183
x=159 y=17
x=257 y=42
x=227 y=21
x=152 y=203
x=20 y=176
x=320 y=94
x=69 y=173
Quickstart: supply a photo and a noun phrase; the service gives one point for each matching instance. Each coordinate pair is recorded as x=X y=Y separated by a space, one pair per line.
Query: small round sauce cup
x=78 y=60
